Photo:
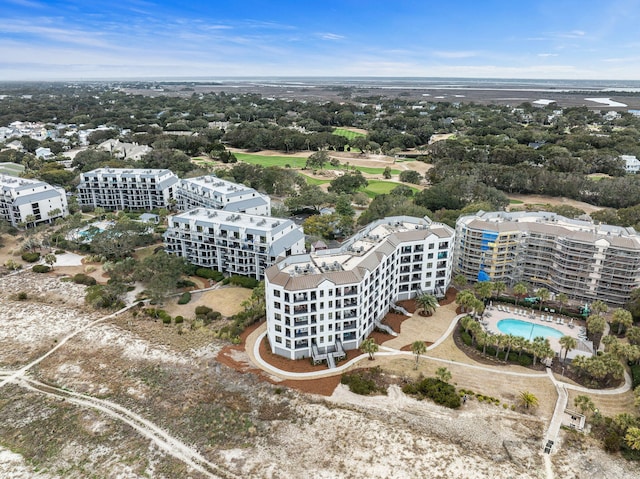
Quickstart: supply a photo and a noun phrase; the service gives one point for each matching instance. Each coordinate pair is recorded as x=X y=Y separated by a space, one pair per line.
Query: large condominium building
x=584 y=260
x=323 y=303
x=30 y=201
x=212 y=192
x=233 y=243
x=126 y=189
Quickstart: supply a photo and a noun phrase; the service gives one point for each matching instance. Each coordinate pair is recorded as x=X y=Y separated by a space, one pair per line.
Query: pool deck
x=497 y=312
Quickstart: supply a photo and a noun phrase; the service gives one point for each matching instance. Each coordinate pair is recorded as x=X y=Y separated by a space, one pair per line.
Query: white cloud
x=331 y=36
x=544 y=55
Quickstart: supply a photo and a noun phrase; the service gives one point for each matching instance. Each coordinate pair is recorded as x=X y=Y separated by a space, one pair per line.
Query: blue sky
x=85 y=39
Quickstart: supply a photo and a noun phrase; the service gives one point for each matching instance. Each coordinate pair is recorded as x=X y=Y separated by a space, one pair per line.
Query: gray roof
x=32 y=198
x=281 y=244
x=243 y=205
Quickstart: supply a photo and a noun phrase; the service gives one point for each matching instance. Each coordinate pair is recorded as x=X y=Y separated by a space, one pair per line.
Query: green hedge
x=30 y=257
x=243 y=281
x=41 y=268
x=82 y=278
x=635 y=375
x=185 y=298
x=210 y=274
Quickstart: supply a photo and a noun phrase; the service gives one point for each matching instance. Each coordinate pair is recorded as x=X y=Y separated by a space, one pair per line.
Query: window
x=278 y=328
x=276 y=293
x=278 y=339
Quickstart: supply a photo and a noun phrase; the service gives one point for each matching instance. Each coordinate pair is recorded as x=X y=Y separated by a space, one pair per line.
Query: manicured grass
x=597 y=177
x=378 y=187
x=283 y=161
x=348 y=134
x=314 y=181
x=516 y=202
x=375 y=171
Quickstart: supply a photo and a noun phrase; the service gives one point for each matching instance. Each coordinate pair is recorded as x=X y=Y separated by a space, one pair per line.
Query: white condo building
x=329 y=301
x=31 y=202
x=212 y=192
x=584 y=260
x=234 y=243
x=127 y=189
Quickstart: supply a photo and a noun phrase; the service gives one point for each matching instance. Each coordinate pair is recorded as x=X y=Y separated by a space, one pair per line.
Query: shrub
x=212 y=316
x=185 y=283
x=243 y=281
x=82 y=278
x=440 y=392
x=166 y=319
x=209 y=274
x=41 y=268
x=22 y=296
x=635 y=375
x=202 y=310
x=30 y=257
x=363 y=382
x=466 y=338
x=185 y=298
x=525 y=360
x=178 y=319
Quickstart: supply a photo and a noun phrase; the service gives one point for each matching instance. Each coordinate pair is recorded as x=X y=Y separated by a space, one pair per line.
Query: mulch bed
x=394 y=321
x=408 y=304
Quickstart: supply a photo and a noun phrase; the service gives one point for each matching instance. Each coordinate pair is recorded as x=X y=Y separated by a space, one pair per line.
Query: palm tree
x=580 y=364
x=543 y=294
x=418 y=348
x=443 y=374
x=370 y=347
x=483 y=289
x=520 y=290
x=632 y=438
x=460 y=281
x=499 y=287
x=623 y=318
x=528 y=399
x=568 y=343
x=539 y=348
x=428 y=303
x=562 y=299
x=498 y=341
x=484 y=339
x=610 y=342
x=465 y=299
x=598 y=307
x=584 y=403
x=595 y=327
x=509 y=340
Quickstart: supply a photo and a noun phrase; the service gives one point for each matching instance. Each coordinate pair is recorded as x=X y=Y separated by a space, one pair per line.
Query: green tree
x=443 y=374
x=160 y=273
x=460 y=281
x=622 y=318
x=50 y=259
x=466 y=299
x=499 y=287
x=563 y=299
x=410 y=176
x=599 y=307
x=309 y=196
x=317 y=160
x=543 y=294
x=386 y=174
x=584 y=404
x=370 y=347
x=528 y=400
x=483 y=289
x=568 y=343
x=595 y=327
x=348 y=183
x=418 y=348
x=520 y=291
x=427 y=302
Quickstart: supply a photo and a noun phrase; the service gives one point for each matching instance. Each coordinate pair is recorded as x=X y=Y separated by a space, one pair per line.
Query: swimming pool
x=527 y=330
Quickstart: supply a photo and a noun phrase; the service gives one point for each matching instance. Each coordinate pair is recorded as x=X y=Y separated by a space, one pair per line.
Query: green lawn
x=378 y=187
x=348 y=134
x=283 y=161
x=516 y=202
x=314 y=181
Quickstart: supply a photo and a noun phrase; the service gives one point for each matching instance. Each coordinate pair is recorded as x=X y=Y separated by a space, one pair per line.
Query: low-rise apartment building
x=212 y=192
x=329 y=301
x=127 y=189
x=584 y=260
x=30 y=202
x=234 y=243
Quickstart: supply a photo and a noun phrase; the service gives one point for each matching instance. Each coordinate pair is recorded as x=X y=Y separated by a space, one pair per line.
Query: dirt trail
x=146 y=428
